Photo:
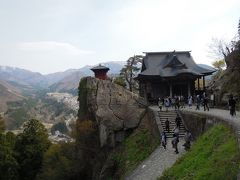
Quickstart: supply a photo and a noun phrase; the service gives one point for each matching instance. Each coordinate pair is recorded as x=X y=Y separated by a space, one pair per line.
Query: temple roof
x=170 y=64
x=100 y=67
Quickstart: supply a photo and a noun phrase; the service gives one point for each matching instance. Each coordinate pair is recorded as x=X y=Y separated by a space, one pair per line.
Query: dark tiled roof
x=100 y=67
x=170 y=64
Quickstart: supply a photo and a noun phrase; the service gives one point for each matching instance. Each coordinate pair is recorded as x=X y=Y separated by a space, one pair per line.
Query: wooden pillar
x=170 y=88
x=198 y=84
x=204 y=83
x=145 y=91
x=189 y=89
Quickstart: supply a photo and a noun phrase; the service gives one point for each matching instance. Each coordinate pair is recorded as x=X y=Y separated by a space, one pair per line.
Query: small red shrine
x=100 y=72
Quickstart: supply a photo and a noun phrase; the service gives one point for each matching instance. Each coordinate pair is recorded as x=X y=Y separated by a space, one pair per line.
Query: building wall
x=152 y=90
x=101 y=75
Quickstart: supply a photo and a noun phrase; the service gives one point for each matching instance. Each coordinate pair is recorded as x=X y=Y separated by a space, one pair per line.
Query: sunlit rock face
x=115 y=109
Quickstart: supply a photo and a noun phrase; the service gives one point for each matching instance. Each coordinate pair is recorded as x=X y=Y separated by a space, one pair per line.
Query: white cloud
x=52 y=46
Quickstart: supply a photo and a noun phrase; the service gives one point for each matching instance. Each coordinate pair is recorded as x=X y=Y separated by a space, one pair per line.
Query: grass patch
x=134 y=150
x=215 y=155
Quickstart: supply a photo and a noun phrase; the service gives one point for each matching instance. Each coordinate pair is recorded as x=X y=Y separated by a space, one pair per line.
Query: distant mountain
x=8 y=93
x=70 y=82
x=56 y=77
x=22 y=77
x=114 y=66
x=60 y=81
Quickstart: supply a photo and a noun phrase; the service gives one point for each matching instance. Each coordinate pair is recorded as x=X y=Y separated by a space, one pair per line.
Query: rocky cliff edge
x=116 y=110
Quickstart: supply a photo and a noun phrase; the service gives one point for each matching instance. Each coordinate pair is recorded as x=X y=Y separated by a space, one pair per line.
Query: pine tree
x=130 y=71
x=30 y=147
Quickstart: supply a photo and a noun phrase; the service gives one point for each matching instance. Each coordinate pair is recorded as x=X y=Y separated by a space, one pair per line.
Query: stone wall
x=197 y=124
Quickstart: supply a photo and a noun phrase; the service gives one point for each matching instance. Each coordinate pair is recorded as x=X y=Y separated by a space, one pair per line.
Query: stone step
x=171 y=116
x=165 y=118
x=171 y=129
x=167 y=114
x=171 y=135
x=172 y=125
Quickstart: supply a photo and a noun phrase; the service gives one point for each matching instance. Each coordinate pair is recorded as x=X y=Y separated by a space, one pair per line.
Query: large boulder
x=115 y=109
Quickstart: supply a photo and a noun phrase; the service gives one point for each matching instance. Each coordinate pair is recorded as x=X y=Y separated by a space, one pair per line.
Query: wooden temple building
x=100 y=72
x=169 y=74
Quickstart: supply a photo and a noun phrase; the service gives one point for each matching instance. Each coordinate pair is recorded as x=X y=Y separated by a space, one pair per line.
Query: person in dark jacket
x=232 y=106
x=205 y=103
x=164 y=139
x=175 y=142
x=167 y=125
x=178 y=121
x=188 y=139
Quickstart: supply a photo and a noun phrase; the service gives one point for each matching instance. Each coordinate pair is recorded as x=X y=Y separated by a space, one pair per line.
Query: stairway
x=171 y=115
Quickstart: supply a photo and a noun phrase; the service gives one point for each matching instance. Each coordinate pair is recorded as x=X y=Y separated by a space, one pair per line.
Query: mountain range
x=17 y=83
x=60 y=81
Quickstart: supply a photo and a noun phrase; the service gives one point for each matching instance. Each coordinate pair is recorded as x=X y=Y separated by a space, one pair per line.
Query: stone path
x=221 y=114
x=171 y=116
x=159 y=160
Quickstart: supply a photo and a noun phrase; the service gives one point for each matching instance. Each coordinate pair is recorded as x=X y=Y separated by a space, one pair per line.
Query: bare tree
x=220 y=49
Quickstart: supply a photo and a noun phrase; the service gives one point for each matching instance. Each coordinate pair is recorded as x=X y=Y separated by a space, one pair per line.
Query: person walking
x=178 y=121
x=175 y=142
x=182 y=101
x=167 y=125
x=176 y=131
x=177 y=102
x=198 y=102
x=190 y=101
x=160 y=104
x=232 y=105
x=205 y=103
x=187 y=138
x=167 y=103
x=164 y=139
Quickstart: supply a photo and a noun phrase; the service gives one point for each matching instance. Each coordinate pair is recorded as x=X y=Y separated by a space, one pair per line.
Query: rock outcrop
x=116 y=110
x=229 y=80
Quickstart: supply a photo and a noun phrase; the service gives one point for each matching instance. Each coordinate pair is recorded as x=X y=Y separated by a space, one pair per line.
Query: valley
x=50 y=98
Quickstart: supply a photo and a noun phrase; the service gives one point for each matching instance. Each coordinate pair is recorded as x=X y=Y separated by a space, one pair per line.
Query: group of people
x=202 y=100
x=179 y=102
x=175 y=140
x=168 y=102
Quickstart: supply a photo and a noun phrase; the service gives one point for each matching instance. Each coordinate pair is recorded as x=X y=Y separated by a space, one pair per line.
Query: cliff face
x=229 y=81
x=114 y=110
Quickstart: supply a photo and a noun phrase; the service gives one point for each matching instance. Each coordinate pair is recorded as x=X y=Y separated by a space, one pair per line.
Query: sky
x=48 y=36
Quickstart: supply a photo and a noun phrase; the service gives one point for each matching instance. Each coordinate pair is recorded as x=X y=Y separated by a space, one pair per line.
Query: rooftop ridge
x=167 y=52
